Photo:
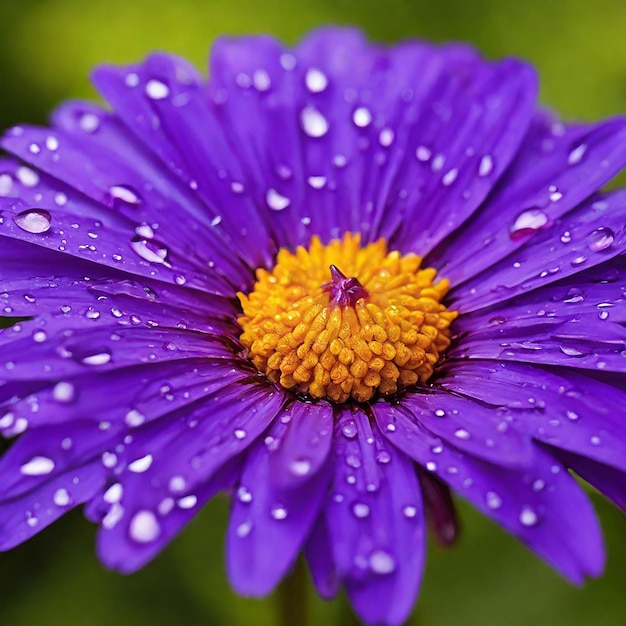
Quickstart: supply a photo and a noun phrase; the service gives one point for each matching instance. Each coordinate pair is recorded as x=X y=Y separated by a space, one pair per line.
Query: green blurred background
x=46 y=50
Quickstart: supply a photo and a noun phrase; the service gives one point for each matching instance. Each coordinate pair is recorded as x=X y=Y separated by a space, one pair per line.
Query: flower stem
x=292 y=598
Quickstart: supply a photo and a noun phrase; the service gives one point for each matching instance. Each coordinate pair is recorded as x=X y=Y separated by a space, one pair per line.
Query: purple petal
x=319 y=556
x=162 y=103
x=269 y=523
x=304 y=448
x=470 y=427
x=565 y=409
x=439 y=508
x=185 y=457
x=541 y=505
x=375 y=522
x=607 y=480
x=588 y=236
x=556 y=168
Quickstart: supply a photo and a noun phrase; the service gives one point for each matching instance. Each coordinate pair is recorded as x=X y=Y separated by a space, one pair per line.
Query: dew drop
x=244 y=495
x=157 y=90
x=125 y=194
x=314 y=124
x=61 y=497
x=150 y=250
x=601 y=239
x=300 y=467
x=315 y=80
x=386 y=137
x=362 y=117
x=188 y=502
x=576 y=154
x=409 y=511
x=360 y=510
x=486 y=165
x=493 y=500
x=243 y=530
x=64 y=392
x=461 y=433
x=349 y=429
x=134 y=418
x=113 y=494
x=144 y=527
x=37 y=466
x=527 y=223
x=139 y=466
x=382 y=562
x=89 y=122
x=240 y=433
x=100 y=358
x=278 y=512
x=276 y=201
x=34 y=221
x=528 y=517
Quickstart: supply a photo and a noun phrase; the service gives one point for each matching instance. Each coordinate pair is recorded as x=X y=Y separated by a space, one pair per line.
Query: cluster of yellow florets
x=390 y=338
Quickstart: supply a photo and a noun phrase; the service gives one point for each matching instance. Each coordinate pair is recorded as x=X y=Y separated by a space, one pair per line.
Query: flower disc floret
x=342 y=320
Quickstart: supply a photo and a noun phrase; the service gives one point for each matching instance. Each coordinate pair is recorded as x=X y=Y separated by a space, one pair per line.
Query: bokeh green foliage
x=46 y=50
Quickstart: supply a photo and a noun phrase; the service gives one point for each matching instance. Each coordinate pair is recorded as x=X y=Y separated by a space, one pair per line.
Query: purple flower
x=222 y=290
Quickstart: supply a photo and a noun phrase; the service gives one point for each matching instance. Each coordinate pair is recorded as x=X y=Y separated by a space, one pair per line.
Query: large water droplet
x=98 y=358
x=313 y=122
x=527 y=223
x=37 y=466
x=34 y=221
x=157 y=90
x=362 y=117
x=601 y=239
x=150 y=250
x=124 y=194
x=349 y=429
x=360 y=510
x=278 y=512
x=382 y=562
x=276 y=201
x=64 y=392
x=315 y=80
x=144 y=527
x=138 y=466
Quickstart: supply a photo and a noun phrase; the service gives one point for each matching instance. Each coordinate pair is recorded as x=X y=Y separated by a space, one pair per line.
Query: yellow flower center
x=341 y=321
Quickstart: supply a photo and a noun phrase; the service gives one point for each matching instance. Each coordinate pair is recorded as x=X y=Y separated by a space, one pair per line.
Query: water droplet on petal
x=150 y=250
x=576 y=154
x=113 y=494
x=144 y=527
x=64 y=392
x=409 y=511
x=300 y=467
x=61 y=497
x=349 y=429
x=134 y=418
x=243 y=530
x=313 y=122
x=188 y=502
x=278 y=512
x=276 y=201
x=493 y=500
x=125 y=194
x=89 y=122
x=37 y=466
x=601 y=239
x=315 y=80
x=362 y=117
x=34 y=221
x=100 y=358
x=244 y=495
x=382 y=562
x=360 y=510
x=157 y=90
x=528 y=517
x=240 y=433
x=138 y=466
x=486 y=165
x=527 y=223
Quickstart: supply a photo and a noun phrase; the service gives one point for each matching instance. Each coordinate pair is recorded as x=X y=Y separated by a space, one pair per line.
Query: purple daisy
x=337 y=281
